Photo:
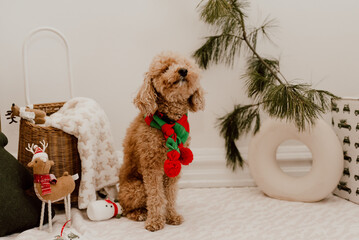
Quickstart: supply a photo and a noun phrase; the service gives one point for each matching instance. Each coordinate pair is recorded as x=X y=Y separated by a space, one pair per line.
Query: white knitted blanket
x=86 y=120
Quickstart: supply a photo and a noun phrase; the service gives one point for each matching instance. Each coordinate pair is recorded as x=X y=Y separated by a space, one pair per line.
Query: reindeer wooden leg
x=66 y=210
x=50 y=219
x=42 y=215
x=69 y=208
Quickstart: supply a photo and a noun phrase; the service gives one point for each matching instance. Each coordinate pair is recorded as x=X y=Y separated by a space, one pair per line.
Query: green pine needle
x=218 y=49
x=258 y=76
x=263 y=31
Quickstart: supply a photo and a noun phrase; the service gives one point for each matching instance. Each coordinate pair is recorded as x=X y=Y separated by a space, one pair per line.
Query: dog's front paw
x=154 y=224
x=139 y=214
x=174 y=219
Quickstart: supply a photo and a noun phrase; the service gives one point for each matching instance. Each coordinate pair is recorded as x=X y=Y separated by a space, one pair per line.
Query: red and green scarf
x=176 y=134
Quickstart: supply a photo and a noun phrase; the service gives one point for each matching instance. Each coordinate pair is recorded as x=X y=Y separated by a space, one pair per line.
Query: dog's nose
x=183 y=72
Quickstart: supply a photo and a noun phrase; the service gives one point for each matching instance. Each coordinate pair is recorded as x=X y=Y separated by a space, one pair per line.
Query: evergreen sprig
x=266 y=85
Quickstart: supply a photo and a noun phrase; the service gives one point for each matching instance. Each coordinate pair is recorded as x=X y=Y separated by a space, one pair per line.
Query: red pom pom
x=172 y=168
x=186 y=156
x=173 y=155
x=167 y=130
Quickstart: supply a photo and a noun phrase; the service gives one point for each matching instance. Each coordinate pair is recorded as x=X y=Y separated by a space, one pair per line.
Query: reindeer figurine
x=47 y=188
x=33 y=115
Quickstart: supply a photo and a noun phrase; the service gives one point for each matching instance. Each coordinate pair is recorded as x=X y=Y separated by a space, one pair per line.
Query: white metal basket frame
x=25 y=56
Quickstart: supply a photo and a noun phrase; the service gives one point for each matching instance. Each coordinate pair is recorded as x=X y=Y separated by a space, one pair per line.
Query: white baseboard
x=208 y=168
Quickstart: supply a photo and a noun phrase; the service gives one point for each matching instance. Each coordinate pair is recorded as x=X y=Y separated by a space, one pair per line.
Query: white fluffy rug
x=225 y=213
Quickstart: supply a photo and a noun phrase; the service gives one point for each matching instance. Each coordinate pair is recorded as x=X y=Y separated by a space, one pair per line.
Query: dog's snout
x=183 y=72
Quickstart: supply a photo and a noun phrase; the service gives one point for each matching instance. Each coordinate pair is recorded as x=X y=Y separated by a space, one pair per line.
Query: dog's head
x=174 y=78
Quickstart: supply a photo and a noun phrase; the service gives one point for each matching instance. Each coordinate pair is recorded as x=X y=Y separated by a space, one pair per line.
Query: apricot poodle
x=170 y=89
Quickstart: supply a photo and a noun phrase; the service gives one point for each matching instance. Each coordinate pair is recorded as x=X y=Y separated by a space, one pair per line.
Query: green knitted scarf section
x=175 y=133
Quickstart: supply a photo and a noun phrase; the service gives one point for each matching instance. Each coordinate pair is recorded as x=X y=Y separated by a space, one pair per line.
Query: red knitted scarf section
x=44 y=180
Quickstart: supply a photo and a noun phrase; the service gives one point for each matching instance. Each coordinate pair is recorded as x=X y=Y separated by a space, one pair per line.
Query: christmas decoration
x=266 y=85
x=33 y=115
x=46 y=189
x=103 y=210
x=176 y=135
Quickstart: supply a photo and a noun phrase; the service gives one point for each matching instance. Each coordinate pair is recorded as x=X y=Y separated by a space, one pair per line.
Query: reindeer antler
x=10 y=114
x=44 y=145
x=30 y=148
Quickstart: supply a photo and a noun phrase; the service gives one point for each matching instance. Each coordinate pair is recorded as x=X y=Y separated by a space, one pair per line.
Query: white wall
x=112 y=43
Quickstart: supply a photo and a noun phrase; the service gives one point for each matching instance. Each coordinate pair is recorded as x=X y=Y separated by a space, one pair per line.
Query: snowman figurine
x=103 y=210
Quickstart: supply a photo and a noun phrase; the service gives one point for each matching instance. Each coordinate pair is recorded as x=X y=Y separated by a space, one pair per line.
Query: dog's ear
x=196 y=101
x=146 y=97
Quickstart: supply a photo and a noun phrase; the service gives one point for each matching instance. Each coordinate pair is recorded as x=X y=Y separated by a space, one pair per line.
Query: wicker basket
x=62 y=147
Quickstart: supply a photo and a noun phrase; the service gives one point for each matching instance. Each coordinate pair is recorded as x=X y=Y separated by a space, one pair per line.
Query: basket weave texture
x=62 y=148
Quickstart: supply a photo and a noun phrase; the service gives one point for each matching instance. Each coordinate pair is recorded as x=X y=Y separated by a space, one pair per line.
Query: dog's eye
x=165 y=70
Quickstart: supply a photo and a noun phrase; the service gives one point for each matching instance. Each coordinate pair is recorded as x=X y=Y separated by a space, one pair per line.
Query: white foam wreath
x=327 y=164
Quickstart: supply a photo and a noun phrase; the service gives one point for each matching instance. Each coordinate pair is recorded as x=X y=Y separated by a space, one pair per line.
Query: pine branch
x=235 y=124
x=245 y=38
x=265 y=83
x=218 y=49
x=226 y=44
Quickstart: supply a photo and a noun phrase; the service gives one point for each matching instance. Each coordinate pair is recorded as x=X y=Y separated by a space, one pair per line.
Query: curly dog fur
x=172 y=87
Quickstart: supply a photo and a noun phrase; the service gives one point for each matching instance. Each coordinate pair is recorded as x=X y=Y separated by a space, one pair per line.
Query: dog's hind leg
x=132 y=198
